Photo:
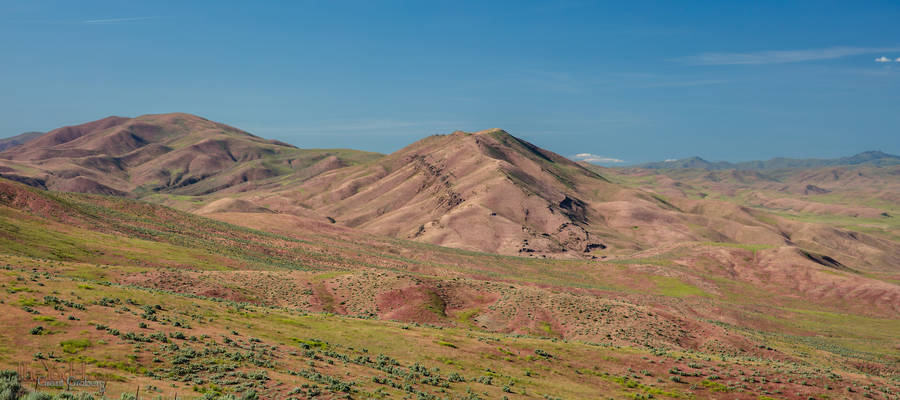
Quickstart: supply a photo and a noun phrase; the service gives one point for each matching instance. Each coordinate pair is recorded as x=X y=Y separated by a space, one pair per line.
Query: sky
x=613 y=82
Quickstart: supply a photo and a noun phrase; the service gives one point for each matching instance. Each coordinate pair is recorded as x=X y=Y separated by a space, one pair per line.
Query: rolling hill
x=166 y=153
x=470 y=248
x=867 y=158
x=17 y=140
x=484 y=191
x=147 y=295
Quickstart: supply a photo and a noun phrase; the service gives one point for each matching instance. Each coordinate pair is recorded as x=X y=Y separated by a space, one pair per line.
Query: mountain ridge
x=482 y=191
x=168 y=153
x=18 y=140
x=871 y=157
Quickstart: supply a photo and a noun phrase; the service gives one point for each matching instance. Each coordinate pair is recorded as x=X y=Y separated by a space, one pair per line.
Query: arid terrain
x=179 y=256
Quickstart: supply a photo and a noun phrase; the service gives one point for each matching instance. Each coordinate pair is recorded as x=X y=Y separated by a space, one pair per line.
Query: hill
x=489 y=191
x=17 y=140
x=869 y=158
x=165 y=153
x=176 y=303
x=485 y=191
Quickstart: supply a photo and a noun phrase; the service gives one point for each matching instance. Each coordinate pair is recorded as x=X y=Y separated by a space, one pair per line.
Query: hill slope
x=165 y=153
x=106 y=261
x=17 y=140
x=487 y=191
x=484 y=191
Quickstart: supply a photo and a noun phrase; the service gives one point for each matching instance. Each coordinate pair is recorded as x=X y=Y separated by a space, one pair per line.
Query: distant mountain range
x=870 y=158
x=18 y=140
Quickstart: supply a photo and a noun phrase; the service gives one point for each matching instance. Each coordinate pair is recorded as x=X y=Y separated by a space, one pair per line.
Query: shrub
x=543 y=353
x=38 y=396
x=10 y=386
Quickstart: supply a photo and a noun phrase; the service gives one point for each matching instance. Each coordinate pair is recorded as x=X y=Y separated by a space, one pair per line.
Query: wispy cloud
x=687 y=83
x=780 y=56
x=594 y=158
x=882 y=59
x=116 y=20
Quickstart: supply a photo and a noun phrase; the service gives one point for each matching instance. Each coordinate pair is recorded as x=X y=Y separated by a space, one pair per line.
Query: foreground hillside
x=179 y=304
x=512 y=269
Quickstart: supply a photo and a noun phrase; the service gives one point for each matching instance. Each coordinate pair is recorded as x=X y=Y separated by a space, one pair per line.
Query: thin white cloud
x=898 y=59
x=671 y=160
x=687 y=83
x=780 y=56
x=882 y=59
x=116 y=20
x=593 y=158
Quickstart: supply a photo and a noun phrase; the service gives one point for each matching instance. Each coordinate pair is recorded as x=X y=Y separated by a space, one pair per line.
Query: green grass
x=435 y=304
x=673 y=287
x=746 y=246
x=659 y=261
x=466 y=317
x=74 y=346
x=50 y=321
x=135 y=239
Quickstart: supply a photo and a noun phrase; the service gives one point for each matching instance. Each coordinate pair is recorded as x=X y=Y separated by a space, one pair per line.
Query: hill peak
x=495 y=131
x=154 y=152
x=492 y=131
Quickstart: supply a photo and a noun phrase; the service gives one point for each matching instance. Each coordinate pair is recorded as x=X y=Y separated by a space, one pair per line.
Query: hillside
x=17 y=140
x=489 y=191
x=697 y=321
x=867 y=158
x=166 y=153
x=485 y=191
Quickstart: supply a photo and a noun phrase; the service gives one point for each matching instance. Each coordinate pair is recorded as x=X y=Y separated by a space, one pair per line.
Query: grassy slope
x=880 y=195
x=278 y=341
x=73 y=246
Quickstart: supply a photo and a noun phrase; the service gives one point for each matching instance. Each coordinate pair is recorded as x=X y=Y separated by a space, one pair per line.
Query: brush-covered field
x=163 y=303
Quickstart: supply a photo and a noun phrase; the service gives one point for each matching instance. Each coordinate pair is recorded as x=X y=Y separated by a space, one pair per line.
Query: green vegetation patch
x=28 y=302
x=74 y=346
x=49 y=320
x=310 y=343
x=714 y=386
x=436 y=304
x=673 y=287
x=746 y=246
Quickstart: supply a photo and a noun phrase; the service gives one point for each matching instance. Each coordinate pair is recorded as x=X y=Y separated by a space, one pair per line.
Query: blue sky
x=634 y=81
